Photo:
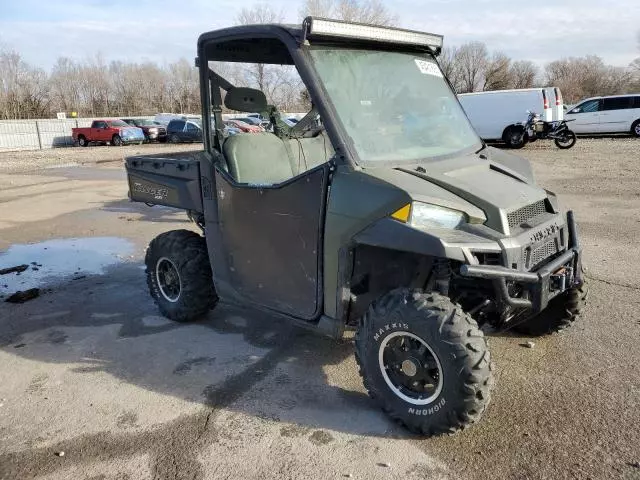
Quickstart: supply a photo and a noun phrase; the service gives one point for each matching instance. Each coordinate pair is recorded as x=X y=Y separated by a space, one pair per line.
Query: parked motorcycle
x=558 y=131
x=534 y=128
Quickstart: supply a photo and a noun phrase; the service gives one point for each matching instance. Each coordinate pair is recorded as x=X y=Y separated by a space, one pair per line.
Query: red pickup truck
x=115 y=132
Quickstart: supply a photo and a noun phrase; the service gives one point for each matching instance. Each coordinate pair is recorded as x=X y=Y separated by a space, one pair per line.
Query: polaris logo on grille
x=544 y=233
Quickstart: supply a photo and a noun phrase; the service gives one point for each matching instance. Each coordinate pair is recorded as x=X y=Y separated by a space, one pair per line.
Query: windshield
x=395 y=107
x=119 y=123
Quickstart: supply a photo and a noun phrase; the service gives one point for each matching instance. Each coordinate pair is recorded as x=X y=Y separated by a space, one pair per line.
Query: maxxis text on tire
x=187 y=252
x=457 y=342
x=561 y=313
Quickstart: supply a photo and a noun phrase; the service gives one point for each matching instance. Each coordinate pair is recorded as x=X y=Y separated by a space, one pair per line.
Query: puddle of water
x=57 y=259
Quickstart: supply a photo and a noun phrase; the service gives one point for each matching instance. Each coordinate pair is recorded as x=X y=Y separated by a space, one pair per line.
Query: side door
x=268 y=250
x=177 y=129
x=635 y=115
x=98 y=129
x=585 y=116
x=193 y=133
x=616 y=114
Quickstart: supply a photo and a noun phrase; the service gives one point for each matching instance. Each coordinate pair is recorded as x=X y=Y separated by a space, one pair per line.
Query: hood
x=485 y=189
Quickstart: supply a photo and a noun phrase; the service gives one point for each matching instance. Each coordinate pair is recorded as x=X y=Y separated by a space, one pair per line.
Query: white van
x=494 y=113
x=615 y=114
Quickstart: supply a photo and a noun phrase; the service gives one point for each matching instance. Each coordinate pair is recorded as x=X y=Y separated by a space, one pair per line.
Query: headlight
x=153 y=130
x=424 y=216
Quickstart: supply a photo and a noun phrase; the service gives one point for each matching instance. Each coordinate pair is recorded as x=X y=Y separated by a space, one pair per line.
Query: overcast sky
x=163 y=31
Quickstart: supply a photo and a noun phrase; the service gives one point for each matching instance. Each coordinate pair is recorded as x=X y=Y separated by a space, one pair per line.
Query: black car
x=184 y=131
x=153 y=131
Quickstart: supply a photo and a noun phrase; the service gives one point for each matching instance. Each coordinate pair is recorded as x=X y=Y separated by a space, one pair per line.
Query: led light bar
x=322 y=27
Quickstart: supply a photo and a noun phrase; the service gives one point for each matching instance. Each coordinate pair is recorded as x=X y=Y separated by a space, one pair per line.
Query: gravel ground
x=90 y=368
x=32 y=160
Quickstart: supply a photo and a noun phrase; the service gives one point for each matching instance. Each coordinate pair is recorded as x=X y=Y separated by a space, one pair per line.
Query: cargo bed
x=171 y=179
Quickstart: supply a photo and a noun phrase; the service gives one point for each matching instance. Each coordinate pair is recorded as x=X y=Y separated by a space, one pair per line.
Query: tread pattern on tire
x=459 y=331
x=561 y=313
x=188 y=251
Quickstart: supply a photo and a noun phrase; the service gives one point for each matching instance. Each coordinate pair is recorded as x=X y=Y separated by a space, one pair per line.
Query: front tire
x=568 y=140
x=515 y=138
x=424 y=361
x=560 y=314
x=179 y=275
x=116 y=141
x=174 y=138
x=635 y=128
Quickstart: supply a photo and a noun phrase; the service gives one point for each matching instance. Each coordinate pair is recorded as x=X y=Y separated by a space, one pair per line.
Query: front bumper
x=158 y=135
x=559 y=275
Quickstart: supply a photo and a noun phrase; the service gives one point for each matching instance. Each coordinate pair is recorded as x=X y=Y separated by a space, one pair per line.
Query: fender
x=441 y=243
x=513 y=126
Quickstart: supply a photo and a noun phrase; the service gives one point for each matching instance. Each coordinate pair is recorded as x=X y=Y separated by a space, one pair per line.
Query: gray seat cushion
x=308 y=153
x=257 y=158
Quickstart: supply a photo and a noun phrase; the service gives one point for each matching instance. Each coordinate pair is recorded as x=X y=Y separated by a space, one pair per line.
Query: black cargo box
x=169 y=179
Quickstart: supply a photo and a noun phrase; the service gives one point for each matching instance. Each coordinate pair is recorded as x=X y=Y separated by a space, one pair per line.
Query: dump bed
x=167 y=179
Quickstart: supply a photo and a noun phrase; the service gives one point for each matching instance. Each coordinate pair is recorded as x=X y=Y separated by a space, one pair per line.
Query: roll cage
x=278 y=44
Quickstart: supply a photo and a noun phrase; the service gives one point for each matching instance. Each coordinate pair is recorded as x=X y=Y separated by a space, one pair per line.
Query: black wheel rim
x=410 y=368
x=516 y=139
x=168 y=280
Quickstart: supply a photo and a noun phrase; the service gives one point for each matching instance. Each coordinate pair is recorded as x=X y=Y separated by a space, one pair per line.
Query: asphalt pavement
x=95 y=384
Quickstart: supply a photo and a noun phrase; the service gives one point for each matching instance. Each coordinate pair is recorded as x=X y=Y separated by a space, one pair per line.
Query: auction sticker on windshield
x=428 y=68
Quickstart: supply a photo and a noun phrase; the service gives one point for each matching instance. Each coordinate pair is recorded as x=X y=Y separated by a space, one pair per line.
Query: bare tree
x=471 y=62
x=497 y=72
x=65 y=85
x=523 y=74
x=184 y=87
x=635 y=69
x=318 y=8
x=364 y=11
x=23 y=88
x=259 y=13
x=447 y=61
x=588 y=76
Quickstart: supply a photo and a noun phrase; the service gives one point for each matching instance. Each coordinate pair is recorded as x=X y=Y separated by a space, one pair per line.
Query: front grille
x=541 y=253
x=488 y=258
x=526 y=213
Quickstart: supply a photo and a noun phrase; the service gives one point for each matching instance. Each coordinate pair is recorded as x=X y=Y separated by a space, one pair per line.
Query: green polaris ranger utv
x=381 y=211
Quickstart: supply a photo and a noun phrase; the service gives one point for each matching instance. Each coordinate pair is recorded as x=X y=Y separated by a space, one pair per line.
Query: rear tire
x=116 y=141
x=179 y=275
x=568 y=142
x=635 y=128
x=424 y=361
x=560 y=314
x=82 y=141
x=515 y=138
